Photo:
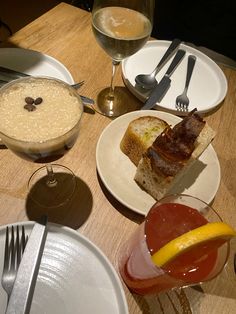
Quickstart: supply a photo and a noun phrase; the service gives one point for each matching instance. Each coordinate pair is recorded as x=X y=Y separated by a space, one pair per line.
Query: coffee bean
x=38 y=101
x=30 y=107
x=29 y=100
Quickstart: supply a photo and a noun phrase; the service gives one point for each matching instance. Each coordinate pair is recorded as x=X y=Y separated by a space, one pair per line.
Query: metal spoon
x=148 y=81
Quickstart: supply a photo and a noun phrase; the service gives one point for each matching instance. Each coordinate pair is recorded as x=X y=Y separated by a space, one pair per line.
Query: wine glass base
x=52 y=193
x=113 y=106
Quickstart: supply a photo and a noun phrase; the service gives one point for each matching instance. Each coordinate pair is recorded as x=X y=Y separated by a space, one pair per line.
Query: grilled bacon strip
x=174 y=146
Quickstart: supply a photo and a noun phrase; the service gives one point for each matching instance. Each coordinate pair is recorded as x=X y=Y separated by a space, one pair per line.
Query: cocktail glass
x=121 y=28
x=167 y=219
x=40 y=123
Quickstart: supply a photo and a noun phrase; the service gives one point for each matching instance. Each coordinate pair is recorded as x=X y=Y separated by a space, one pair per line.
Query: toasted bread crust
x=140 y=135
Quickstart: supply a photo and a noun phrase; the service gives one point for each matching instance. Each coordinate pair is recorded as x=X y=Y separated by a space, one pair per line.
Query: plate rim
x=136 y=114
x=110 y=269
x=189 y=49
x=45 y=56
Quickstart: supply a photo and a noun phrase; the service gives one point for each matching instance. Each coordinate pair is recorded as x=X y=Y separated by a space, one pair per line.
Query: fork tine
x=6 y=253
x=15 y=243
x=12 y=248
x=18 y=247
x=77 y=85
x=24 y=240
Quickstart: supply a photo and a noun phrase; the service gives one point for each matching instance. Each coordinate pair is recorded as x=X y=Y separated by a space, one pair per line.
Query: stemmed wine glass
x=121 y=27
x=40 y=118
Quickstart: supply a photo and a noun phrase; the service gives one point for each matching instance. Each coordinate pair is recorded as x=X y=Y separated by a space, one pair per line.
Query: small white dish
x=207 y=88
x=74 y=276
x=34 y=63
x=117 y=171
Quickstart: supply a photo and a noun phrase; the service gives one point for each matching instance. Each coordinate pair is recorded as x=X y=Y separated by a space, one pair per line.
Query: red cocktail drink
x=167 y=220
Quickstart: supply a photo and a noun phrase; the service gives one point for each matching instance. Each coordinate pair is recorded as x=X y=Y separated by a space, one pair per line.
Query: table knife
x=160 y=90
x=23 y=289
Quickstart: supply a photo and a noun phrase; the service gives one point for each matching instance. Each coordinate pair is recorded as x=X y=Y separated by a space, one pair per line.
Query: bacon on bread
x=172 y=154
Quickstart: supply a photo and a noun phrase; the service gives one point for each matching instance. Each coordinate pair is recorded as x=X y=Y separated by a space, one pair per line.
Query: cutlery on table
x=23 y=289
x=148 y=81
x=161 y=89
x=182 y=101
x=15 y=243
x=10 y=75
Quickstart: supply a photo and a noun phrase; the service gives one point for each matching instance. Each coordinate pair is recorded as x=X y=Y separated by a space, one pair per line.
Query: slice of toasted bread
x=158 y=185
x=140 y=135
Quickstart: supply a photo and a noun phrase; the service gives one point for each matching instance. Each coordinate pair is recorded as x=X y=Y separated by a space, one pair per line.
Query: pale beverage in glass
x=121 y=28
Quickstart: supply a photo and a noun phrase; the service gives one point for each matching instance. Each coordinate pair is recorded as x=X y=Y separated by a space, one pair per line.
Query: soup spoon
x=148 y=81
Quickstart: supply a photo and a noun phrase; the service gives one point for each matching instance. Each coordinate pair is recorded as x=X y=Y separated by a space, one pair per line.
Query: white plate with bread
x=208 y=85
x=117 y=171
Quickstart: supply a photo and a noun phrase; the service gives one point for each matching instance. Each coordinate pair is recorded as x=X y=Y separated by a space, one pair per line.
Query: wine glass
x=40 y=119
x=121 y=28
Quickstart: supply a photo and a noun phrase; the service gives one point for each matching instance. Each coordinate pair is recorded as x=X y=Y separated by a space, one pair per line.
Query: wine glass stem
x=51 y=180
x=115 y=65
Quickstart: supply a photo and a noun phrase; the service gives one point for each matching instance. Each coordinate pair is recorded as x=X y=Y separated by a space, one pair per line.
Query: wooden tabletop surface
x=65 y=34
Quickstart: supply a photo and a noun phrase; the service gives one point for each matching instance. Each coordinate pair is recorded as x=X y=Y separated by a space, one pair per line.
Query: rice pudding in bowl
x=39 y=117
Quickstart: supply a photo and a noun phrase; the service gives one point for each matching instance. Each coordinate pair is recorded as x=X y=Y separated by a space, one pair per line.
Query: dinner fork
x=14 y=249
x=182 y=101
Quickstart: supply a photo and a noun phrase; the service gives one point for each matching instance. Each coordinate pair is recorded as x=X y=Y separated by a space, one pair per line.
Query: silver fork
x=14 y=249
x=182 y=101
x=78 y=85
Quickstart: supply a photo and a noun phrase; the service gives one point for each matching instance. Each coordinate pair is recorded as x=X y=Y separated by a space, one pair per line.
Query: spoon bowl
x=146 y=81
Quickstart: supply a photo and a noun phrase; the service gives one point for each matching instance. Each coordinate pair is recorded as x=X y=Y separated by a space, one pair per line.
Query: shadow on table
x=138 y=218
x=192 y=299
x=73 y=213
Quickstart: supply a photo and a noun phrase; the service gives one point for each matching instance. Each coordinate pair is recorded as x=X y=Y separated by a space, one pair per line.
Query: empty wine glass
x=40 y=119
x=121 y=28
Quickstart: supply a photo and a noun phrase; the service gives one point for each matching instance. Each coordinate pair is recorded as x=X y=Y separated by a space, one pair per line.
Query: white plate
x=208 y=85
x=74 y=276
x=34 y=63
x=117 y=171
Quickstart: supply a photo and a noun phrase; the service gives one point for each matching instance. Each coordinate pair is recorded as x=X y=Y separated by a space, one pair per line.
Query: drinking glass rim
x=43 y=78
x=198 y=199
x=176 y=195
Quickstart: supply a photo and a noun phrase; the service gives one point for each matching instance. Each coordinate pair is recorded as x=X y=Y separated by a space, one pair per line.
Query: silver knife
x=23 y=289
x=160 y=90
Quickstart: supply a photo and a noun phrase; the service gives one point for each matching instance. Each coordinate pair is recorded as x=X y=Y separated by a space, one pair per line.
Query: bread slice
x=140 y=135
x=156 y=184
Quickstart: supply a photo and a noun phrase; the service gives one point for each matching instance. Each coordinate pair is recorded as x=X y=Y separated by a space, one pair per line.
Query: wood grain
x=65 y=33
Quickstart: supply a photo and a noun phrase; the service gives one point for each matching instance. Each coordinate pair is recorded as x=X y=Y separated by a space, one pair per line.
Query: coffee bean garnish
x=29 y=100
x=38 y=101
x=29 y=107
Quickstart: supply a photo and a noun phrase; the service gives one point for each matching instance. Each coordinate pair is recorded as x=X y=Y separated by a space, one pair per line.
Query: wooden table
x=65 y=33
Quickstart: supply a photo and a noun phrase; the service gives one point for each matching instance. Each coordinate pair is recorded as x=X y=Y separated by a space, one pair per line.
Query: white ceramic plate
x=74 y=276
x=34 y=63
x=208 y=85
x=117 y=171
